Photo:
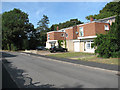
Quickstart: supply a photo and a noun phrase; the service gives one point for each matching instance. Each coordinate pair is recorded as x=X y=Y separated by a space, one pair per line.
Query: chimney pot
x=91 y=19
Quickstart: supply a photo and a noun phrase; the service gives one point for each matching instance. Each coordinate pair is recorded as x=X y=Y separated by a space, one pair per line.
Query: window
x=88 y=46
x=48 y=37
x=106 y=27
x=81 y=33
x=62 y=35
x=66 y=35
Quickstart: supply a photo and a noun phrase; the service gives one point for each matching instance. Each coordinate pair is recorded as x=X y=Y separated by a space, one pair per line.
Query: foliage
x=66 y=24
x=0 y=31
x=109 y=45
x=60 y=43
x=65 y=43
x=15 y=29
x=42 y=29
x=110 y=9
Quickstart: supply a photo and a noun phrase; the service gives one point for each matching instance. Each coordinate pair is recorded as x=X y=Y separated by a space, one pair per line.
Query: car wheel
x=54 y=51
x=65 y=50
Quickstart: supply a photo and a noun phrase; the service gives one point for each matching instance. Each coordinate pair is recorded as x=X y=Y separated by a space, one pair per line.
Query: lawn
x=86 y=57
x=70 y=54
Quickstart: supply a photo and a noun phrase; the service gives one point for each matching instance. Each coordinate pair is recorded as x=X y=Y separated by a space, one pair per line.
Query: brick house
x=80 y=37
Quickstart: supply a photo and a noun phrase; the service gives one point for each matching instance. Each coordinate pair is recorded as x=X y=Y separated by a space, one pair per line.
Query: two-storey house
x=78 y=38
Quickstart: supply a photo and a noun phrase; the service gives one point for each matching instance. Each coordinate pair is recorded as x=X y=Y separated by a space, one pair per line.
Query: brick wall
x=55 y=36
x=99 y=28
x=89 y=29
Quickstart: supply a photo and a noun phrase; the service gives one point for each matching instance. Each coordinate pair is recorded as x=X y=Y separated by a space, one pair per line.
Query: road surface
x=30 y=71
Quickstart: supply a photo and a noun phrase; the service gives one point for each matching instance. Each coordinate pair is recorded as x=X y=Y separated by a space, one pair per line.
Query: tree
x=15 y=29
x=107 y=11
x=109 y=45
x=0 y=32
x=42 y=30
x=66 y=24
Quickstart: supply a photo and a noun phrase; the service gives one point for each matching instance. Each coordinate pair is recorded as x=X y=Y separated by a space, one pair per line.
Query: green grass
x=70 y=54
x=86 y=57
x=101 y=60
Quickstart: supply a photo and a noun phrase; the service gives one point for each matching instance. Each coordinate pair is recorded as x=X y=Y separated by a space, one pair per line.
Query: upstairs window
x=81 y=33
x=66 y=35
x=106 y=27
x=62 y=35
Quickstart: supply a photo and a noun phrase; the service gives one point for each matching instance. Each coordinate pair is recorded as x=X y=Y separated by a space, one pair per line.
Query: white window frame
x=106 y=27
x=81 y=32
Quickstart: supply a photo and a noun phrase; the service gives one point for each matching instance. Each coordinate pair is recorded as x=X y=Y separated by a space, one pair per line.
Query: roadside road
x=30 y=71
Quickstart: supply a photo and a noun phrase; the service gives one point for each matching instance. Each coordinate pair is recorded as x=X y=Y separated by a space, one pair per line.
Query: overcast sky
x=57 y=12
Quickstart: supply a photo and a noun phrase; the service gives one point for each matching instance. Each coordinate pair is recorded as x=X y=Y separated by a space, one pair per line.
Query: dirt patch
x=42 y=52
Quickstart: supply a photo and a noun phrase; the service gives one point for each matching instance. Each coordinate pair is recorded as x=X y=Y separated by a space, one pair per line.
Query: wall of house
x=70 y=45
x=88 y=29
x=99 y=28
x=55 y=36
x=81 y=46
x=91 y=29
x=70 y=34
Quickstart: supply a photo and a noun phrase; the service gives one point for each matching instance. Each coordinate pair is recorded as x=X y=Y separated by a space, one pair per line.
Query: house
x=78 y=38
x=109 y=20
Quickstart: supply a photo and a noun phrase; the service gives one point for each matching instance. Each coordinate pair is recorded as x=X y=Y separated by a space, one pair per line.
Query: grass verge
x=86 y=57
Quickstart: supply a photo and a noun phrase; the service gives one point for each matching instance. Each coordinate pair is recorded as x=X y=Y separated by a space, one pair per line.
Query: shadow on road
x=23 y=81
x=4 y=54
x=21 y=78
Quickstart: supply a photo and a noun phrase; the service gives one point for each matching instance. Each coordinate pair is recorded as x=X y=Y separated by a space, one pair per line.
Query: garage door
x=76 y=46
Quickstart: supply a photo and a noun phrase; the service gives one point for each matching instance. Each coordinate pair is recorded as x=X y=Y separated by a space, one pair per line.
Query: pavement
x=34 y=71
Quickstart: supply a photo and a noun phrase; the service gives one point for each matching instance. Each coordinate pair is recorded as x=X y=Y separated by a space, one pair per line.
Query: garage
x=76 y=46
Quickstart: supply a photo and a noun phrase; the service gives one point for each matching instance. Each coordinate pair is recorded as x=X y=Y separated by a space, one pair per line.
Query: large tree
x=66 y=24
x=107 y=11
x=42 y=30
x=15 y=29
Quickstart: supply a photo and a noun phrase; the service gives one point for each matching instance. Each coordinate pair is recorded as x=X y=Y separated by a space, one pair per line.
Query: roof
x=98 y=21
x=107 y=18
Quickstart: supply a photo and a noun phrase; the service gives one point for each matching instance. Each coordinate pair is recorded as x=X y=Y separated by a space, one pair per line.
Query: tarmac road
x=30 y=71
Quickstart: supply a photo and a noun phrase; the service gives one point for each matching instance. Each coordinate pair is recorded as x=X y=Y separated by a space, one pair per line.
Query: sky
x=57 y=12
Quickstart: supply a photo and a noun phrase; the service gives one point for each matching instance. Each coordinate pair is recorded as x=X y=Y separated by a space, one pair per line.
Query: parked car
x=40 y=48
x=56 y=49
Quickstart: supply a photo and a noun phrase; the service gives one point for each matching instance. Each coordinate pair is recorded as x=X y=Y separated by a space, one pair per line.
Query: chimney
x=91 y=19
x=57 y=28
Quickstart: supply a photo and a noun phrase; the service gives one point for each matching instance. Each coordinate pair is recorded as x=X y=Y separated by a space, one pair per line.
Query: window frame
x=62 y=35
x=48 y=37
x=81 y=32
x=106 y=28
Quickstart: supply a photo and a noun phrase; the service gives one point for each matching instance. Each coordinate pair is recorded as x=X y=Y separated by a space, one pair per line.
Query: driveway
x=42 y=52
x=40 y=72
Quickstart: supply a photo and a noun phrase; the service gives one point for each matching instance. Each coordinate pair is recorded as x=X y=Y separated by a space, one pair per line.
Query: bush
x=13 y=47
x=109 y=45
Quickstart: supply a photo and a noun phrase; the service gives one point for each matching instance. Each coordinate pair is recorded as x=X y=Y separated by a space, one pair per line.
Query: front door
x=76 y=46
